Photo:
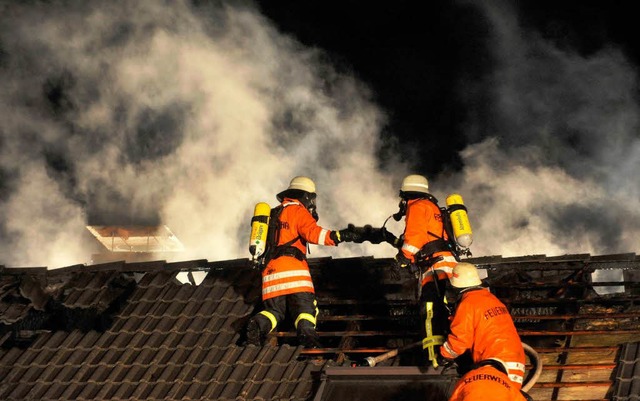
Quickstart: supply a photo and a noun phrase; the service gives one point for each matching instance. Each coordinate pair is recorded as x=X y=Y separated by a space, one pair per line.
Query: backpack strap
x=440 y=244
x=287 y=249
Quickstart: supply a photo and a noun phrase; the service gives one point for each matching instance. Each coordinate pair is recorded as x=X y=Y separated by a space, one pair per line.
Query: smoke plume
x=146 y=113
x=553 y=169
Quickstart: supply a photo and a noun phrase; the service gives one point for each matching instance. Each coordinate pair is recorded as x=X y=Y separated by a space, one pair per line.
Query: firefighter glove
x=345 y=235
x=444 y=362
x=400 y=262
x=361 y=234
x=389 y=238
x=376 y=235
x=367 y=233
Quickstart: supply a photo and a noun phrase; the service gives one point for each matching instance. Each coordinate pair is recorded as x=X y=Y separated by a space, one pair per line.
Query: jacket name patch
x=495 y=311
x=482 y=376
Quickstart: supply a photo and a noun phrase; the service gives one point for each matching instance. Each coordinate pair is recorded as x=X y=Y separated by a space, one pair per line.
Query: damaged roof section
x=129 y=331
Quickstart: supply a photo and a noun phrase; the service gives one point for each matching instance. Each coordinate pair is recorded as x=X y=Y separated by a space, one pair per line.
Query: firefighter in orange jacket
x=286 y=280
x=424 y=244
x=482 y=325
x=486 y=383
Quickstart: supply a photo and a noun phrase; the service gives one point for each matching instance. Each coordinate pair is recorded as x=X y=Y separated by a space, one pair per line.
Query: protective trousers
x=302 y=308
x=435 y=315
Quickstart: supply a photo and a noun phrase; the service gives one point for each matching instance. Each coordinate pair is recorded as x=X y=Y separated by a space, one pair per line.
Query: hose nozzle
x=371 y=361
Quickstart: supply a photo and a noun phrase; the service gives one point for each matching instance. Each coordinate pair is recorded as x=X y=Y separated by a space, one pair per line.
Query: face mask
x=402 y=210
x=309 y=201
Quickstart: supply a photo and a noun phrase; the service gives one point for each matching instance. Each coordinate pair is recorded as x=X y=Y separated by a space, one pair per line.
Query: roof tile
x=168 y=340
x=627 y=383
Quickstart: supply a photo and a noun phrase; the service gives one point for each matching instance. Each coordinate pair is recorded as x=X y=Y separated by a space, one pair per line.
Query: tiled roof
x=124 y=331
x=147 y=336
x=627 y=386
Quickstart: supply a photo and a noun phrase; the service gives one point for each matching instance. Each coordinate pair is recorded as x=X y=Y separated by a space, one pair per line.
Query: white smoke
x=149 y=112
x=558 y=173
x=117 y=112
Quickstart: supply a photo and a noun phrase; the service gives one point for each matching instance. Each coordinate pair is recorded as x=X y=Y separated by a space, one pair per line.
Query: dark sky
x=416 y=58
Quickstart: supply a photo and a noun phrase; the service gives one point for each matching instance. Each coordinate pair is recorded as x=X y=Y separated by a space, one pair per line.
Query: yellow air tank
x=259 y=229
x=459 y=220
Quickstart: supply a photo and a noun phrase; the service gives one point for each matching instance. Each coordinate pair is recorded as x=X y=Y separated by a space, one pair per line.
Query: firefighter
x=424 y=244
x=483 y=326
x=488 y=382
x=286 y=281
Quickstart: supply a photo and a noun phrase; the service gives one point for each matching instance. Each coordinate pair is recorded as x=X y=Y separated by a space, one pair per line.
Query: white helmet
x=302 y=183
x=415 y=183
x=465 y=275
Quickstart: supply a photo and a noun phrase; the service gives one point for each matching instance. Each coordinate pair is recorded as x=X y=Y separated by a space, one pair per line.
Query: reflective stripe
x=410 y=248
x=323 y=236
x=290 y=203
x=286 y=286
x=428 y=275
x=427 y=327
x=515 y=366
x=417 y=184
x=449 y=259
x=518 y=367
x=285 y=274
x=431 y=341
x=447 y=348
x=271 y=317
x=305 y=316
x=443 y=266
x=444 y=269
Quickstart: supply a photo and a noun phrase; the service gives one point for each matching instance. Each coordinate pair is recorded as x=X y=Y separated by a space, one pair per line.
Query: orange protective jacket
x=485 y=383
x=286 y=274
x=482 y=324
x=423 y=224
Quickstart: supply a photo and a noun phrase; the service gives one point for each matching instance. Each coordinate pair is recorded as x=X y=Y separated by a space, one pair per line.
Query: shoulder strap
x=273 y=234
x=442 y=242
x=273 y=237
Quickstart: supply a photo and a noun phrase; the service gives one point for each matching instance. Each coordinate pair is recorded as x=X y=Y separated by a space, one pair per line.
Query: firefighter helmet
x=301 y=188
x=465 y=275
x=302 y=183
x=415 y=183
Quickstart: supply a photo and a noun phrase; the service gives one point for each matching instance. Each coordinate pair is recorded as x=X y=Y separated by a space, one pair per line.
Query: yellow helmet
x=415 y=183
x=465 y=275
x=303 y=183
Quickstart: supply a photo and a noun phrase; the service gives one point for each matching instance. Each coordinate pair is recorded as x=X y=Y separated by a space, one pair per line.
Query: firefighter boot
x=255 y=334
x=307 y=335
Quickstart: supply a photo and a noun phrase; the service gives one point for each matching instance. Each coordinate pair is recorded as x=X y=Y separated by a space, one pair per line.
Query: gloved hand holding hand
x=377 y=235
x=362 y=233
x=348 y=234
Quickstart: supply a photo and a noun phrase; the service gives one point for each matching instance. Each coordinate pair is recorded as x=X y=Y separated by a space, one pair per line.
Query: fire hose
x=533 y=375
x=373 y=361
x=529 y=381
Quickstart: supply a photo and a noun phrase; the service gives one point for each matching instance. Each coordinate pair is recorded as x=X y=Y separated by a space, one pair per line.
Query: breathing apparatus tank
x=459 y=220
x=259 y=229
